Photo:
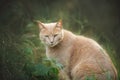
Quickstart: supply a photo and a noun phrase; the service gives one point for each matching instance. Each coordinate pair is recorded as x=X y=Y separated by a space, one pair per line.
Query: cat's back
x=79 y=39
x=81 y=43
x=88 y=48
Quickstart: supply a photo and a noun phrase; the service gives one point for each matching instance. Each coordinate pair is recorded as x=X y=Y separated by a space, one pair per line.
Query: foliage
x=36 y=67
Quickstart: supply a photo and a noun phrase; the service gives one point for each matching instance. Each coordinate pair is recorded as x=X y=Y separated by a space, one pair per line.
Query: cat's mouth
x=53 y=44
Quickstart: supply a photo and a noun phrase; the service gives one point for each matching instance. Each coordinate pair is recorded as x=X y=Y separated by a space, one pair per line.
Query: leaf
x=92 y=77
x=53 y=71
x=40 y=70
x=28 y=50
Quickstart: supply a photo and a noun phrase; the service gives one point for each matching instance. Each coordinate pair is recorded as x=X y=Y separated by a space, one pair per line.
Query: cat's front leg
x=63 y=75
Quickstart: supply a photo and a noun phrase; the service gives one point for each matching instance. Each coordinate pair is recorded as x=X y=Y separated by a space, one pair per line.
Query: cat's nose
x=51 y=42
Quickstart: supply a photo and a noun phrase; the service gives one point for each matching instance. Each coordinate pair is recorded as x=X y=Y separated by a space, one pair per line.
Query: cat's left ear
x=59 y=24
x=40 y=24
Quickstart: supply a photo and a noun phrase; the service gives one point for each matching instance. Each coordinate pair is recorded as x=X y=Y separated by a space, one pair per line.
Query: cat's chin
x=52 y=45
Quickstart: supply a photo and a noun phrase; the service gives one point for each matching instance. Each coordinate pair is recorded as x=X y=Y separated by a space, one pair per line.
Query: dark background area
x=99 y=19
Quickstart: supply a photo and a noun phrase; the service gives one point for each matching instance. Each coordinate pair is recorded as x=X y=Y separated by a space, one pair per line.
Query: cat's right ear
x=59 y=24
x=40 y=24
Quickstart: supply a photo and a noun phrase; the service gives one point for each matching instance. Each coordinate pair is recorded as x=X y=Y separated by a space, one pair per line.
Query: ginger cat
x=81 y=57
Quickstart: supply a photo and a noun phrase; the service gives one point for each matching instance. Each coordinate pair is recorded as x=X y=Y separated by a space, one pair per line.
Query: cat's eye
x=55 y=35
x=46 y=36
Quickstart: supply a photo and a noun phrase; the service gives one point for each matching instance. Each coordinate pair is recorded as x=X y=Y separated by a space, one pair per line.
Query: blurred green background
x=22 y=55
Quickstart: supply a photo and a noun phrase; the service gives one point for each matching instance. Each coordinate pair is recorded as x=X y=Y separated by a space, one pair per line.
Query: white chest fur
x=61 y=54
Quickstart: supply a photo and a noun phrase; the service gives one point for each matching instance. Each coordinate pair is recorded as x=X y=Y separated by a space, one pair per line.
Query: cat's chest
x=62 y=55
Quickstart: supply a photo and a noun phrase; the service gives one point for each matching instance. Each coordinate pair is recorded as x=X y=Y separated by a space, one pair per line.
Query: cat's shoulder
x=86 y=40
x=79 y=38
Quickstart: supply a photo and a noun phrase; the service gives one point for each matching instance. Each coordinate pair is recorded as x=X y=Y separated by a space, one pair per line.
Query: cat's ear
x=40 y=24
x=59 y=24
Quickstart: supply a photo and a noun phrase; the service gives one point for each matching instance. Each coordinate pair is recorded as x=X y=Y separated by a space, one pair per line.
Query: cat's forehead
x=50 y=26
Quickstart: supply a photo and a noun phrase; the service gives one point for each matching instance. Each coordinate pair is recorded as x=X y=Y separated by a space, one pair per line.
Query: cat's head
x=51 y=33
